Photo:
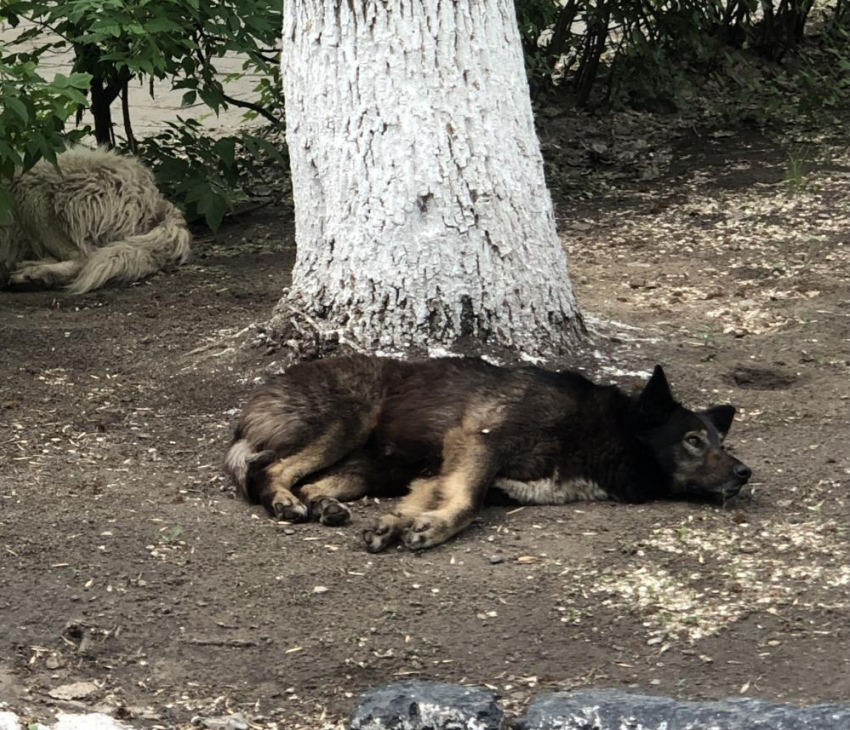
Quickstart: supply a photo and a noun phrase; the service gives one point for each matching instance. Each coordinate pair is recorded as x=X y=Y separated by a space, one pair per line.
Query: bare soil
x=125 y=558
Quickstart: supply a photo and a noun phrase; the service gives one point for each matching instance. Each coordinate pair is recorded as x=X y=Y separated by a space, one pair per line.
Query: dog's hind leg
x=424 y=495
x=276 y=488
x=324 y=497
x=345 y=482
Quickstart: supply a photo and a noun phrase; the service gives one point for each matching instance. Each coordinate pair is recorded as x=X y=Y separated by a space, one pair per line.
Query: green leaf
x=17 y=106
x=76 y=96
x=226 y=150
x=162 y=25
x=108 y=29
x=7 y=153
x=213 y=207
x=80 y=80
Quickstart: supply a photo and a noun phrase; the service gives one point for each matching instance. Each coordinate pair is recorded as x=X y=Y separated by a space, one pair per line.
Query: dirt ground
x=127 y=560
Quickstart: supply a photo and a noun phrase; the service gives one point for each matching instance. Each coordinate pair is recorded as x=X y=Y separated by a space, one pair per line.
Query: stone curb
x=615 y=710
x=420 y=705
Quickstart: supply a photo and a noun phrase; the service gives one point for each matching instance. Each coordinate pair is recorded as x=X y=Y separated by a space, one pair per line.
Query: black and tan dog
x=450 y=430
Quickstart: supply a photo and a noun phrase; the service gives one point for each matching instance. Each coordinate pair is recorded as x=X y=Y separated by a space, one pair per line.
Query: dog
x=450 y=430
x=95 y=217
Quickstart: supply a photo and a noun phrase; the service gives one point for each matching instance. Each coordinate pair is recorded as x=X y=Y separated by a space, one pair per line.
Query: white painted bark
x=421 y=209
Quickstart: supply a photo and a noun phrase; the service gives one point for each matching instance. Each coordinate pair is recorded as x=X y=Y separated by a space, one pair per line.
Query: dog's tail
x=137 y=256
x=242 y=465
x=239 y=456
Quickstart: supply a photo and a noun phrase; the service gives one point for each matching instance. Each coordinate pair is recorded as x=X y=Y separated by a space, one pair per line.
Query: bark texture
x=422 y=213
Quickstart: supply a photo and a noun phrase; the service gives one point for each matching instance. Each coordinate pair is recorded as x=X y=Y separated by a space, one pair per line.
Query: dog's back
x=424 y=400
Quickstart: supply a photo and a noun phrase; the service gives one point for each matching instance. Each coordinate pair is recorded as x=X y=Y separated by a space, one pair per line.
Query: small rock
x=74 y=691
x=320 y=589
x=418 y=705
x=496 y=559
x=89 y=721
x=54 y=662
x=235 y=721
x=142 y=713
x=74 y=629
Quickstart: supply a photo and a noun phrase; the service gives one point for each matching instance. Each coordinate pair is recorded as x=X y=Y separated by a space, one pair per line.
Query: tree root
x=296 y=336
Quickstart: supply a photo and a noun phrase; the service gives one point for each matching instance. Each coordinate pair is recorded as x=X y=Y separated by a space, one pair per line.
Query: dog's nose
x=743 y=472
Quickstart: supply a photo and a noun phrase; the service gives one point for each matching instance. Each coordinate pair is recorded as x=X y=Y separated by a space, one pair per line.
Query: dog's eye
x=694 y=441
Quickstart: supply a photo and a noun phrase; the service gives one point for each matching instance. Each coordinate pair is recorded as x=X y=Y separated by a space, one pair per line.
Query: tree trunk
x=421 y=209
x=101 y=109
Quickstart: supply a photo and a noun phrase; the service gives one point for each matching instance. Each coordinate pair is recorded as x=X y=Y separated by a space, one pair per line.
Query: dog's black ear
x=657 y=396
x=721 y=418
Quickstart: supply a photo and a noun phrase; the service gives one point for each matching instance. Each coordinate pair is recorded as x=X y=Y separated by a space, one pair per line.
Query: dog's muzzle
x=732 y=488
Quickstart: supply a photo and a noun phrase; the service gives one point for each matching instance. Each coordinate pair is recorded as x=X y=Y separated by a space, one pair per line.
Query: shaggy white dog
x=97 y=218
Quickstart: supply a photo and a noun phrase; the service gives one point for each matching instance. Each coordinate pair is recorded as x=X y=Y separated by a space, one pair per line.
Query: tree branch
x=253 y=107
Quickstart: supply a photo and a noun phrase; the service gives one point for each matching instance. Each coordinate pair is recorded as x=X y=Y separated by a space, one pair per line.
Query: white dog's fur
x=99 y=217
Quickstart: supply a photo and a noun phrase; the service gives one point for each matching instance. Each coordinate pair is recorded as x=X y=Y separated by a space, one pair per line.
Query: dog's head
x=688 y=445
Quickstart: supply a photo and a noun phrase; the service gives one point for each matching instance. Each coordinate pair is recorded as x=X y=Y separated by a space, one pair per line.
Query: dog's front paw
x=426 y=531
x=329 y=511
x=382 y=534
x=290 y=509
x=28 y=278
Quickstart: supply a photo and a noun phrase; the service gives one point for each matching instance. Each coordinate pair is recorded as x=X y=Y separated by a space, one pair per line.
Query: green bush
x=207 y=176
x=33 y=115
x=115 y=43
x=655 y=53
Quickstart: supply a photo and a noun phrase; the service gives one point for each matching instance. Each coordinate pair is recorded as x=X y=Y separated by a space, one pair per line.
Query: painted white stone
x=67 y=721
x=9 y=721
x=93 y=721
x=421 y=207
